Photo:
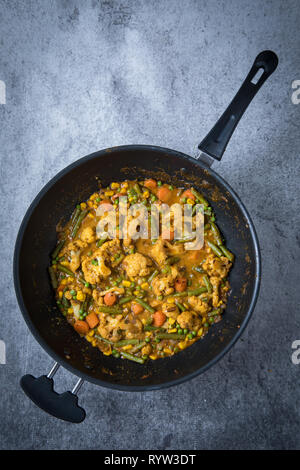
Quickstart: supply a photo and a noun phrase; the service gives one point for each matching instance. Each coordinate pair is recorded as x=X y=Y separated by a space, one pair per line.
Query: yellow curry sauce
x=139 y=299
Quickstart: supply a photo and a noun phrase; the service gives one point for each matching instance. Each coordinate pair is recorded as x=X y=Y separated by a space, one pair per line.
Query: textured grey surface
x=81 y=76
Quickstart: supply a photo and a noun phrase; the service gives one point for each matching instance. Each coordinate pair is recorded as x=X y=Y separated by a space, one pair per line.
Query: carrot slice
x=159 y=318
x=164 y=194
x=188 y=193
x=110 y=298
x=136 y=308
x=81 y=327
x=151 y=184
x=180 y=284
x=92 y=320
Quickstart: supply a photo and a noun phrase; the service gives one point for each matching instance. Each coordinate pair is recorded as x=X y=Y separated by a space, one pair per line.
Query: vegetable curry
x=140 y=299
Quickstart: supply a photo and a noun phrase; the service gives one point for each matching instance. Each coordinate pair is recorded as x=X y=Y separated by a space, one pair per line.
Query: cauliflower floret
x=164 y=284
x=75 y=248
x=109 y=327
x=188 y=320
x=88 y=235
x=217 y=266
x=215 y=281
x=137 y=265
x=198 y=305
x=158 y=252
x=97 y=297
x=95 y=267
x=132 y=327
x=146 y=350
x=170 y=310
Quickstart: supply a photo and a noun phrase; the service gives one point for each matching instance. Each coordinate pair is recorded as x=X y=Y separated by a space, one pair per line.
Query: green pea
x=157 y=340
x=180 y=331
x=185 y=331
x=159 y=183
x=147 y=340
x=206 y=325
x=73 y=292
x=86 y=284
x=190 y=336
x=145 y=357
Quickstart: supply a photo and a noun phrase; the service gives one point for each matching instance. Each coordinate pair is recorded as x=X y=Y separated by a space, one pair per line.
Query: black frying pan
x=37 y=238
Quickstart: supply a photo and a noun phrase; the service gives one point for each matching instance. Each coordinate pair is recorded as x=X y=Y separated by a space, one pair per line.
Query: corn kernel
x=136 y=292
x=190 y=201
x=145 y=285
x=167 y=351
x=123 y=191
x=126 y=283
x=182 y=344
x=204 y=320
x=70 y=310
x=171 y=321
x=130 y=199
x=64 y=263
x=94 y=342
x=152 y=356
x=83 y=205
x=127 y=347
x=91 y=215
x=148 y=333
x=200 y=332
x=90 y=203
x=125 y=185
x=174 y=330
x=80 y=296
x=115 y=185
x=109 y=193
x=107 y=353
x=170 y=300
x=146 y=194
x=144 y=321
x=60 y=294
x=93 y=196
x=88 y=338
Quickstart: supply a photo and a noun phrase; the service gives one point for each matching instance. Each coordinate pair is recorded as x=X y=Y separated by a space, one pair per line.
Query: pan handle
x=214 y=144
x=60 y=405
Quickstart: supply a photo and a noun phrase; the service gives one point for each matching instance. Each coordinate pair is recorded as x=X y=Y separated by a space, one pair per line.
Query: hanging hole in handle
x=257 y=76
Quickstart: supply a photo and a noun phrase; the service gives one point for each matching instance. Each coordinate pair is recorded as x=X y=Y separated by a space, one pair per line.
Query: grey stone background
x=85 y=75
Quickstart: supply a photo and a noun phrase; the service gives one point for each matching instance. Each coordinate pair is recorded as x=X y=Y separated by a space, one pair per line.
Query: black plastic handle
x=63 y=406
x=214 y=144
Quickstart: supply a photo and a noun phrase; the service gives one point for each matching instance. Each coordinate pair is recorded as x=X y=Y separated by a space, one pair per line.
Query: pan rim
x=64 y=362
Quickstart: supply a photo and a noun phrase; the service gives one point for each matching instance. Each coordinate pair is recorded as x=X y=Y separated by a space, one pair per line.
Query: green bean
x=86 y=303
x=181 y=307
x=169 y=336
x=104 y=340
x=227 y=253
x=138 y=347
x=62 y=268
x=125 y=342
x=214 y=248
x=58 y=248
x=187 y=293
x=145 y=305
x=198 y=291
x=125 y=300
x=216 y=233
x=152 y=328
x=65 y=302
x=199 y=197
x=137 y=189
x=185 y=240
x=132 y=358
x=172 y=260
x=52 y=277
x=78 y=223
x=75 y=217
x=207 y=283
x=214 y=312
x=113 y=310
x=152 y=276
x=101 y=241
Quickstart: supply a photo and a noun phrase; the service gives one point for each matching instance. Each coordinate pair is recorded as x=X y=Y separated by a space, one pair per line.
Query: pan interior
x=37 y=238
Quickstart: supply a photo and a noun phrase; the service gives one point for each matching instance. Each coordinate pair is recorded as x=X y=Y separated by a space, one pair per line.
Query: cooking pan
x=55 y=202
